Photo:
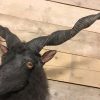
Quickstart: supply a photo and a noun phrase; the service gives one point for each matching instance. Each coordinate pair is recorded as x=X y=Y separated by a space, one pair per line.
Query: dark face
x=16 y=69
x=17 y=66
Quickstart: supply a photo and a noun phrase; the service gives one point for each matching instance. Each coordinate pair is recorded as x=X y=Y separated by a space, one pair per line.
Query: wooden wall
x=77 y=60
x=87 y=4
x=65 y=91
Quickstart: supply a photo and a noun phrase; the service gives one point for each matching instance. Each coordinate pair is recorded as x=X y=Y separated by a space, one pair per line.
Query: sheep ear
x=48 y=56
x=3 y=48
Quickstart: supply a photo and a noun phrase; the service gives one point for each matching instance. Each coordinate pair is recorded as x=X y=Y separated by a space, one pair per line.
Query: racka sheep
x=22 y=76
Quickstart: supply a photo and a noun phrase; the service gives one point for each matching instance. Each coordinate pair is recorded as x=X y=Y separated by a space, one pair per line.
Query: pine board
x=88 y=4
x=49 y=12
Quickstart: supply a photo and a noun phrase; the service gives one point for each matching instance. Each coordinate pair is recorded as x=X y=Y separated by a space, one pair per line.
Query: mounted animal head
x=21 y=59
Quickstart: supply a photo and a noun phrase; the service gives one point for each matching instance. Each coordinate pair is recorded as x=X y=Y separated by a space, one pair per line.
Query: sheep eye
x=29 y=65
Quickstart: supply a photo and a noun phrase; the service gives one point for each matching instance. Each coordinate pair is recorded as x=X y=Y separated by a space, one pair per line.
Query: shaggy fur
x=36 y=87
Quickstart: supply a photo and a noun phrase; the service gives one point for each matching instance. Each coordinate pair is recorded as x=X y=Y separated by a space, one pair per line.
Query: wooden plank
x=65 y=91
x=79 y=48
x=58 y=90
x=85 y=77
x=74 y=69
x=49 y=12
x=84 y=43
x=59 y=74
x=74 y=75
x=93 y=4
x=69 y=61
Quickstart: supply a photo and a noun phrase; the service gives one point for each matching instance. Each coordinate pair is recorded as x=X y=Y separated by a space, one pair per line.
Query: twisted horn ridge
x=10 y=38
x=61 y=36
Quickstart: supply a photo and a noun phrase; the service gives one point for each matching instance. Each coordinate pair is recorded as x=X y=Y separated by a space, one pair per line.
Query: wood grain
x=74 y=75
x=74 y=69
x=63 y=60
x=65 y=91
x=49 y=12
x=93 y=4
